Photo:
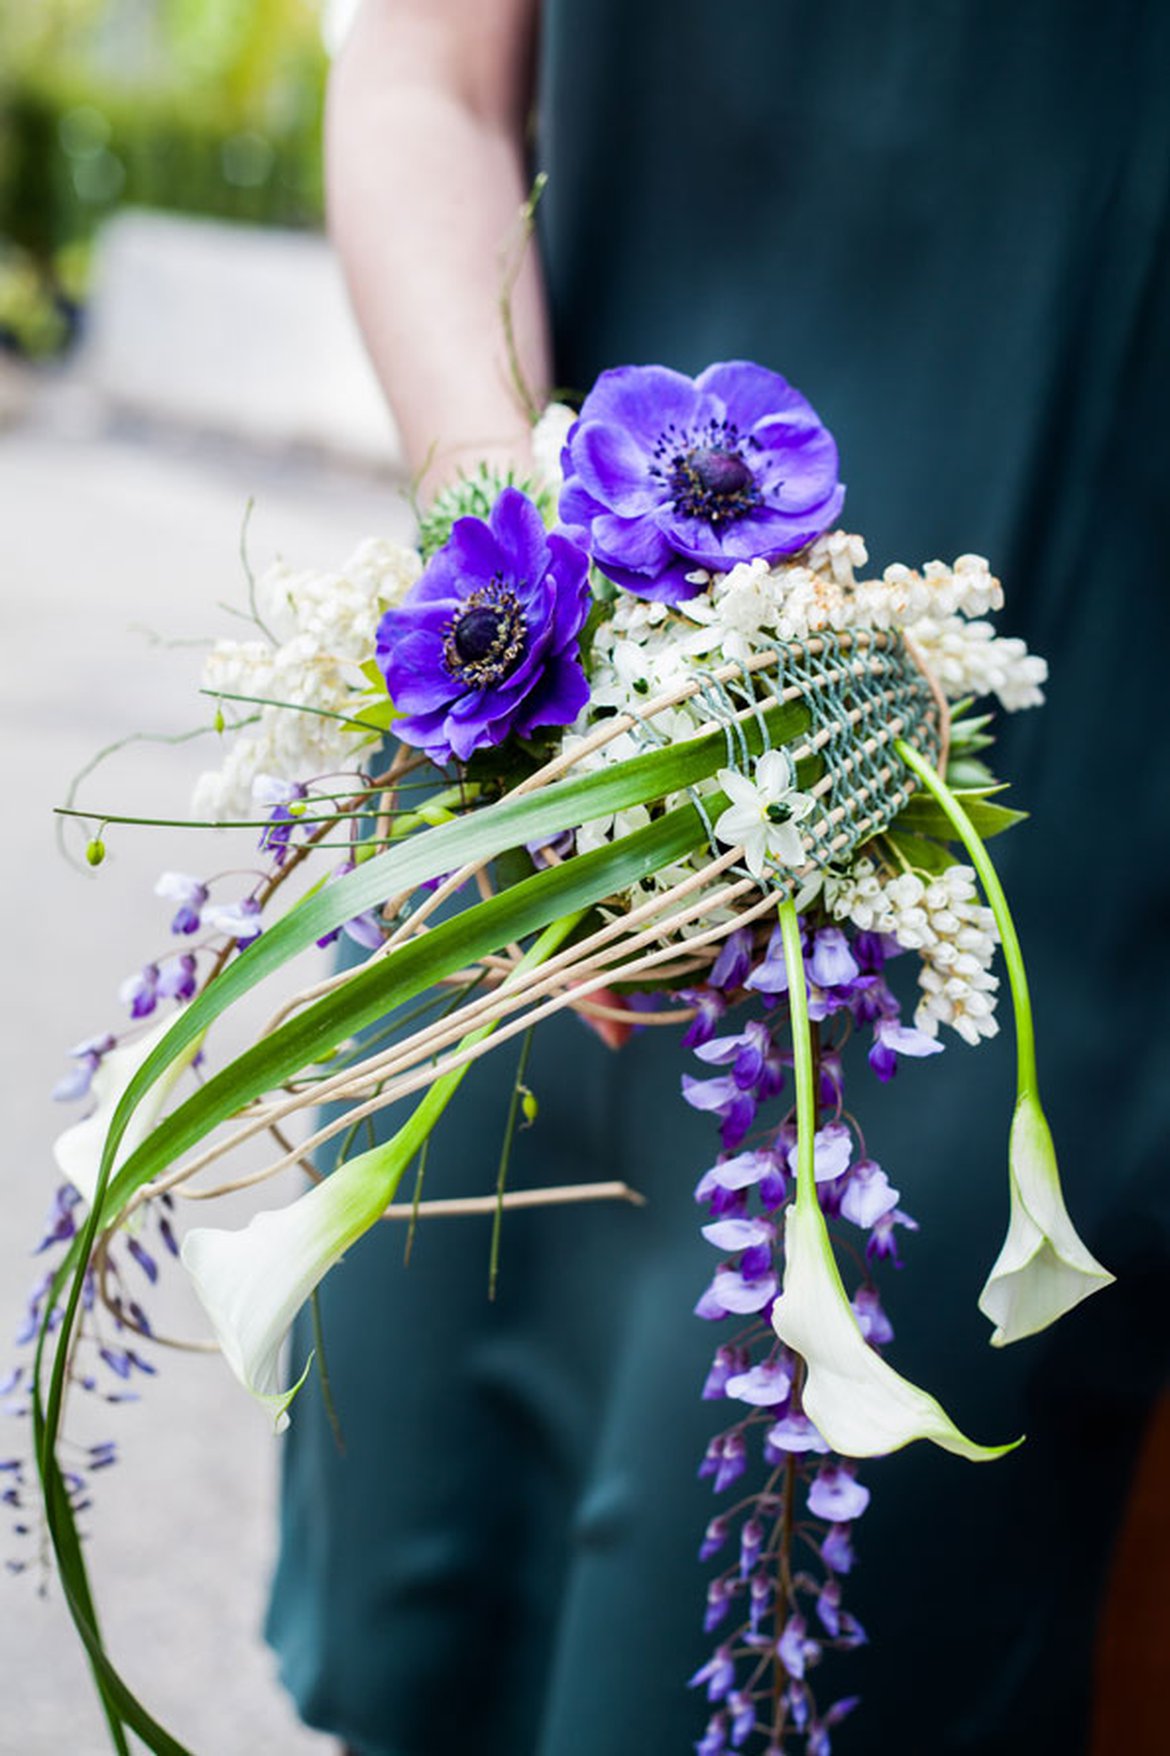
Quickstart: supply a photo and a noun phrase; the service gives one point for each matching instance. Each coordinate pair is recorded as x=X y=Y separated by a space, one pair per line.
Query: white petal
x=853 y=1397
x=737 y=823
x=78 y=1150
x=739 y=789
x=774 y=773
x=785 y=844
x=1043 y=1269
x=253 y=1282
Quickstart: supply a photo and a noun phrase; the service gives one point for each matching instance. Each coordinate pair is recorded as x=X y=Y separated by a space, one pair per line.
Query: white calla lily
x=854 y=1398
x=78 y=1151
x=1043 y=1269
x=253 y=1282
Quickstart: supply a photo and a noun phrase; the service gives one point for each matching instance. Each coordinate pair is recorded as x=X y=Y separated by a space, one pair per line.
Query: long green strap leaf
x=375 y=990
x=482 y=835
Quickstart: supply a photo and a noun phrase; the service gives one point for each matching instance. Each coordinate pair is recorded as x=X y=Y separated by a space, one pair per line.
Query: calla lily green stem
x=1043 y=1269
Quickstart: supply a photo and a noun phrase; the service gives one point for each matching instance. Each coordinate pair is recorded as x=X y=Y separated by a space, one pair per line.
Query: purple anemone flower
x=486 y=643
x=670 y=474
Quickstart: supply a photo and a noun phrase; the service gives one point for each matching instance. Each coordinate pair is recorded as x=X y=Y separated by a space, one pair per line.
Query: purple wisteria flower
x=486 y=644
x=669 y=474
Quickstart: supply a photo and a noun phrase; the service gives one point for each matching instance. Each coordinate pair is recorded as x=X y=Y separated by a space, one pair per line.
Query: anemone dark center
x=721 y=472
x=477 y=634
x=713 y=484
x=485 y=639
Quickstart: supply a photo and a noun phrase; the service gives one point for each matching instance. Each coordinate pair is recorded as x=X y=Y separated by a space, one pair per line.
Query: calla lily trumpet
x=855 y=1399
x=860 y=1406
x=78 y=1151
x=253 y=1282
x=1043 y=1269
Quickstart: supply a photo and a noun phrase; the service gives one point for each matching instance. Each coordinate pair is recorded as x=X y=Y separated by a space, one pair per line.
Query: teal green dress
x=947 y=223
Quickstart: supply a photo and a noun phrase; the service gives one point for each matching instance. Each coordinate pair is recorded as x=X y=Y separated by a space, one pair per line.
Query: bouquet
x=640 y=737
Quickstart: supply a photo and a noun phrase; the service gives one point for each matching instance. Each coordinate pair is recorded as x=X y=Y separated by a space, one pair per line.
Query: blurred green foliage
x=197 y=106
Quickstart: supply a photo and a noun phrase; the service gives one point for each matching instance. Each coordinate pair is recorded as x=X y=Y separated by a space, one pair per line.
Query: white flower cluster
x=324 y=625
x=943 y=920
x=755 y=604
x=644 y=649
x=970 y=658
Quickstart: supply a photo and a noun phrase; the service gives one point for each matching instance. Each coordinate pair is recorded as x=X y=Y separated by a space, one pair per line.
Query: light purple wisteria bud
x=714 y=1537
x=743 y=1717
x=190 y=894
x=837 y=1495
x=796 y=1650
x=831 y=963
x=144 y=1259
x=764 y=1386
x=759 y=1599
x=237 y=920
x=718 y=1604
x=727 y=1361
x=882 y=1242
x=868 y=1195
x=891 y=1039
x=837 y=1549
x=751 y=1544
x=730 y=1291
x=832 y=1151
x=733 y=964
x=871 y=1319
x=76 y=1083
x=829 y=1608
x=793 y=1432
x=177 y=978
x=732 y=1461
x=60 y=1225
x=709 y=1009
x=714 y=1739
x=140 y=991
x=740 y=1233
x=734 y=1174
x=717 y=1675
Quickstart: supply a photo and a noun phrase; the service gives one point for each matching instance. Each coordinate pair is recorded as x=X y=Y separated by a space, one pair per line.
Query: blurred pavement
x=119 y=533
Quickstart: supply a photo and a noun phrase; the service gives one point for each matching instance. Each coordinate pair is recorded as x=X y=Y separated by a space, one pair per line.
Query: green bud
x=529 y=1108
x=220 y=722
x=95 y=851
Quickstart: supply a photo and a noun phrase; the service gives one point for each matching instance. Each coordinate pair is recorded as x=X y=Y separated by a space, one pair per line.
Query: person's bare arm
x=425 y=175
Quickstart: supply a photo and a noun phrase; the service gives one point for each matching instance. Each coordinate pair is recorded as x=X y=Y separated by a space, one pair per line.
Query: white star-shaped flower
x=764 y=814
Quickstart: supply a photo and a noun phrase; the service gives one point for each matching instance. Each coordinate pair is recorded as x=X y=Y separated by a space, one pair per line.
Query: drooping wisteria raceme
x=637 y=731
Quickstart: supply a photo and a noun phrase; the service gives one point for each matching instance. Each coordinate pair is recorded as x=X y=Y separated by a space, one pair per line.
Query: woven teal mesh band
x=862 y=691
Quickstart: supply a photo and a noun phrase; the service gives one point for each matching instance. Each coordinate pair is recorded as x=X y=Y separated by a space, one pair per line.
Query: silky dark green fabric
x=946 y=222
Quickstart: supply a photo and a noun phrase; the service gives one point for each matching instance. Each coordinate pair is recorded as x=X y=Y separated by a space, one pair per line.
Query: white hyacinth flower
x=854 y=1398
x=764 y=813
x=1043 y=1269
x=253 y=1282
x=78 y=1151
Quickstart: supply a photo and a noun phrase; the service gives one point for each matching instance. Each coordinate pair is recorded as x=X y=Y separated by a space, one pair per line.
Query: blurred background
x=174 y=341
